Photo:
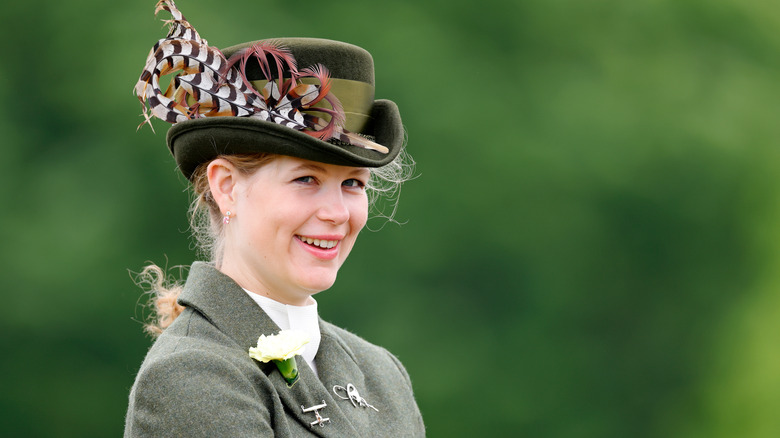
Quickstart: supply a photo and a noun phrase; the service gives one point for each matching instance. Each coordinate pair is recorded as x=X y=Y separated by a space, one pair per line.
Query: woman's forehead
x=294 y=164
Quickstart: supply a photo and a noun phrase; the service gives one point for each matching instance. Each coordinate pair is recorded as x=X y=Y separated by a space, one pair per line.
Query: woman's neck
x=241 y=275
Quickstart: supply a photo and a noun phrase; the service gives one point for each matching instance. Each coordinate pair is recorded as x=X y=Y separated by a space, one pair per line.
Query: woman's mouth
x=320 y=243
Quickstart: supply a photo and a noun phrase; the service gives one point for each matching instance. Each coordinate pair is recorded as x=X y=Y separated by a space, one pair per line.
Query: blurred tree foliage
x=590 y=249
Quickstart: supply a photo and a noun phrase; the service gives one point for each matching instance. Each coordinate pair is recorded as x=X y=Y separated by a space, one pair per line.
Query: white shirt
x=300 y=318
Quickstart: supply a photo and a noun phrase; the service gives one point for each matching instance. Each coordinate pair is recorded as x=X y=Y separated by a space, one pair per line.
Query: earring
x=226 y=218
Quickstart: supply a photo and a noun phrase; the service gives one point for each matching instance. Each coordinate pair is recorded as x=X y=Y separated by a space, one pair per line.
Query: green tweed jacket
x=198 y=379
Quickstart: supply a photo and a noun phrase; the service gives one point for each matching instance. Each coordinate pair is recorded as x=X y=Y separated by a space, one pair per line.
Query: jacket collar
x=223 y=303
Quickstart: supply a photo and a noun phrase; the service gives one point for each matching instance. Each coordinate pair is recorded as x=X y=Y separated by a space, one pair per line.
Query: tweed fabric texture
x=198 y=380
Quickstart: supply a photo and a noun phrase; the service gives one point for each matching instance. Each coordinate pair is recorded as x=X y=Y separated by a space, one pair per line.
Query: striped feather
x=205 y=84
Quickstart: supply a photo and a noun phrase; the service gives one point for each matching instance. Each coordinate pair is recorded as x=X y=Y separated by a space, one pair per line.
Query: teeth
x=325 y=244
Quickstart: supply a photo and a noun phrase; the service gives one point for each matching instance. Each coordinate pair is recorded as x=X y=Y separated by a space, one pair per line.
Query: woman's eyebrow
x=308 y=166
x=312 y=167
x=360 y=171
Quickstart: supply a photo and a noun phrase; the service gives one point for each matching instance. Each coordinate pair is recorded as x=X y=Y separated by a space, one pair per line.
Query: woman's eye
x=353 y=182
x=305 y=179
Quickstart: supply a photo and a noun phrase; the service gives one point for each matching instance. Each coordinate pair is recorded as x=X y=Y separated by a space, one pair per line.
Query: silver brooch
x=351 y=394
x=316 y=409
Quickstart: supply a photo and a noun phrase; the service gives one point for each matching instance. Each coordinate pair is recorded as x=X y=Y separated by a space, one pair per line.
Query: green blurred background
x=591 y=248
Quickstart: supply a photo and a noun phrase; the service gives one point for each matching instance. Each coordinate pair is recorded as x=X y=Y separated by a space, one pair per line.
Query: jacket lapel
x=309 y=392
x=220 y=300
x=336 y=362
x=337 y=365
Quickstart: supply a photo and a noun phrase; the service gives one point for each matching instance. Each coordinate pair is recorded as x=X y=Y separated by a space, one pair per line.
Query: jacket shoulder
x=353 y=341
x=189 y=374
x=366 y=352
x=385 y=382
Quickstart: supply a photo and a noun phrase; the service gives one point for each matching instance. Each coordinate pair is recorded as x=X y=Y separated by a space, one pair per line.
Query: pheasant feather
x=205 y=84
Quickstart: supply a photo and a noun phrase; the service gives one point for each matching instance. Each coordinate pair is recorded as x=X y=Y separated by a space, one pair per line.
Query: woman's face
x=292 y=226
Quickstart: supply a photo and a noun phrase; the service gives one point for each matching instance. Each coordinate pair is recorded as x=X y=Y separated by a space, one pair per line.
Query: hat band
x=356 y=98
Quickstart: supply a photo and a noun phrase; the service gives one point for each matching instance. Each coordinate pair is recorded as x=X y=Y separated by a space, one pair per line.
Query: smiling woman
x=280 y=161
x=295 y=248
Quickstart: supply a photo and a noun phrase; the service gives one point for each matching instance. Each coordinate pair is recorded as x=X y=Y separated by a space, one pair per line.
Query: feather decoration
x=205 y=84
x=262 y=51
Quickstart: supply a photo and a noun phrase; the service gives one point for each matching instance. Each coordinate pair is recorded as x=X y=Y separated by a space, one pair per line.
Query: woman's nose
x=333 y=208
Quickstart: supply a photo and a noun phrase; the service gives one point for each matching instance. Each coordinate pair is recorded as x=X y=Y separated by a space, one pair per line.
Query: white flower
x=286 y=344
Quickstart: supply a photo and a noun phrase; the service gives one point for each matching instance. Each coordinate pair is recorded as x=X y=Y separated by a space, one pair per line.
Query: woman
x=279 y=158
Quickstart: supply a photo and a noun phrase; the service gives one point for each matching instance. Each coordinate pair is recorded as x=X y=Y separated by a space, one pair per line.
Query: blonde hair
x=207 y=226
x=163 y=304
x=206 y=222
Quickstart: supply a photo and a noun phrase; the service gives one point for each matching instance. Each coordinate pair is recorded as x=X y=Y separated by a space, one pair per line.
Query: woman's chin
x=317 y=283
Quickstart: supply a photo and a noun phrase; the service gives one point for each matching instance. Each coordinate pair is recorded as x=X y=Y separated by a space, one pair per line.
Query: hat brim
x=198 y=141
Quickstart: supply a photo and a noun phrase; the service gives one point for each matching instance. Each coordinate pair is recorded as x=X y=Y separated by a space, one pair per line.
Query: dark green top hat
x=197 y=141
x=254 y=98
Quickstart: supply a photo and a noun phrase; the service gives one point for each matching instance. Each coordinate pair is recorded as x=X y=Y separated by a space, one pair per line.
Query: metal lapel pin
x=316 y=408
x=351 y=394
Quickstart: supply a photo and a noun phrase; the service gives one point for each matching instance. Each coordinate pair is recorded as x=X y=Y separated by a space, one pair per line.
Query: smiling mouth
x=324 y=244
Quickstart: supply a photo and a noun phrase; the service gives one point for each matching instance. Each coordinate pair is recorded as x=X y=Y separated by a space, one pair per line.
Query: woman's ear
x=222 y=175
